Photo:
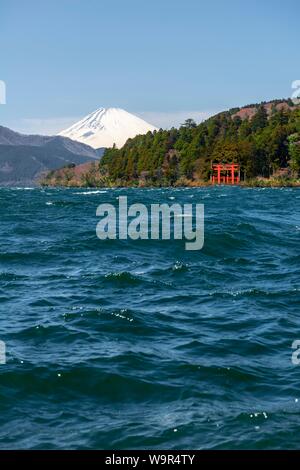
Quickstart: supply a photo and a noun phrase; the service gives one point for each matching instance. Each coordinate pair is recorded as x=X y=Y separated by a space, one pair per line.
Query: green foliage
x=261 y=144
x=260 y=119
x=189 y=124
x=294 y=152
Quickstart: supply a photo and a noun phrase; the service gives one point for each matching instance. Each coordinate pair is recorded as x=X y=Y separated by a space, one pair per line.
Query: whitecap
x=87 y=193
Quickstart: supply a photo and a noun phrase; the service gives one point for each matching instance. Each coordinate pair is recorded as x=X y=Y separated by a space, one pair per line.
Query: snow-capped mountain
x=106 y=127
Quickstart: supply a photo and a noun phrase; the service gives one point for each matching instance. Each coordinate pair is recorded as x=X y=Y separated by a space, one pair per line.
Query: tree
x=189 y=124
x=294 y=152
x=260 y=119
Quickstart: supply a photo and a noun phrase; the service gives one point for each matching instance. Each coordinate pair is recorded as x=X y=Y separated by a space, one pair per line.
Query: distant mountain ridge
x=106 y=127
x=10 y=137
x=24 y=158
x=249 y=111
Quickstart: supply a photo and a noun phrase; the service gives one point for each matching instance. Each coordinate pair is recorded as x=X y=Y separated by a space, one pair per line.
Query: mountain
x=10 y=137
x=263 y=138
x=24 y=158
x=106 y=127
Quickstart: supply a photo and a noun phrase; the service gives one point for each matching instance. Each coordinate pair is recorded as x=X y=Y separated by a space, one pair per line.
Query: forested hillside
x=262 y=143
x=263 y=138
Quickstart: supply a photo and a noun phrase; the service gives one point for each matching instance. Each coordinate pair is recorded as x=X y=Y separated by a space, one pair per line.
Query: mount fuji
x=106 y=127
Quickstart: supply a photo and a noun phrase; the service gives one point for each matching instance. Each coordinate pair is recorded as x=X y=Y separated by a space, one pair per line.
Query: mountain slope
x=263 y=138
x=23 y=158
x=10 y=137
x=263 y=142
x=106 y=127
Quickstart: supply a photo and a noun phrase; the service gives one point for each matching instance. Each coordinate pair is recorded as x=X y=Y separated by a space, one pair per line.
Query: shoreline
x=254 y=183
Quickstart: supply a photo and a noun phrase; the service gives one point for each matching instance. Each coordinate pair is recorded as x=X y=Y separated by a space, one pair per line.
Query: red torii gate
x=225 y=173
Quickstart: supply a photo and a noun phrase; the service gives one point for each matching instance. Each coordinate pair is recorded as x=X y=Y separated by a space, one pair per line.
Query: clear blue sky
x=161 y=59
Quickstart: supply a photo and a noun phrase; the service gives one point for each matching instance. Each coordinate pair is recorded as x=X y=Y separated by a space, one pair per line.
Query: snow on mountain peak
x=106 y=127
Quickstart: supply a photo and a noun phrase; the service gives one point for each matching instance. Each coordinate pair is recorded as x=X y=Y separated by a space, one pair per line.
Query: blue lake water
x=142 y=344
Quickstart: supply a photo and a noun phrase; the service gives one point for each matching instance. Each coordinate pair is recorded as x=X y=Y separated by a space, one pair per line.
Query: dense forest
x=264 y=139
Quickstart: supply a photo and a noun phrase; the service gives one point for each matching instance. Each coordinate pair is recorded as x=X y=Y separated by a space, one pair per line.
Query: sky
x=164 y=60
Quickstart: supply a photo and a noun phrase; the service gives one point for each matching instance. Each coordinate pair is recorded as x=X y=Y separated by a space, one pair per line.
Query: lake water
x=142 y=344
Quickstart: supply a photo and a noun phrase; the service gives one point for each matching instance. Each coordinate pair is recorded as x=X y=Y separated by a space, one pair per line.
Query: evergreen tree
x=189 y=124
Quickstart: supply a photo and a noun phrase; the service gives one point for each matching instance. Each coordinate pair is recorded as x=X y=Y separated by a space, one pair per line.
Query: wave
x=141 y=344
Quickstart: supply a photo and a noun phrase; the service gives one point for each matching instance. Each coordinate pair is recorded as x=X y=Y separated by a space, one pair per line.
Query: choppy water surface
x=141 y=344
